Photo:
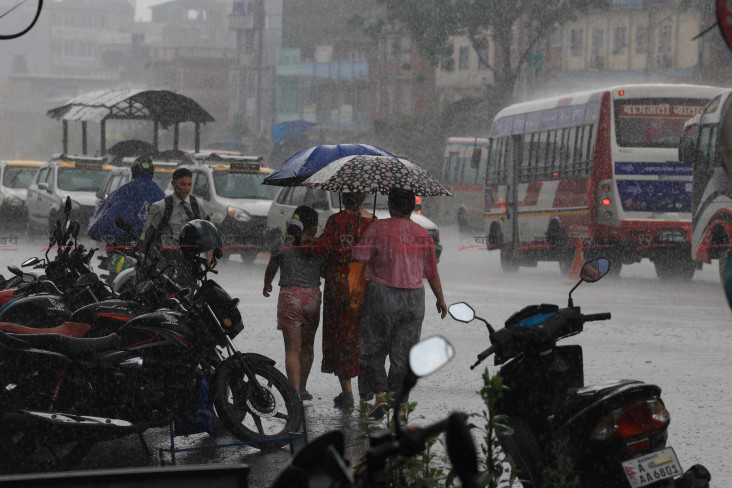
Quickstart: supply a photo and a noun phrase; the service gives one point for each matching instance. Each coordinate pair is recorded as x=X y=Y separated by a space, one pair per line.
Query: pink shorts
x=298 y=306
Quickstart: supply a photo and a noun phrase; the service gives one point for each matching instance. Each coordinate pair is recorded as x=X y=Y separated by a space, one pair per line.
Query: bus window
x=456 y=164
x=483 y=164
x=526 y=154
x=541 y=153
x=704 y=161
x=571 y=141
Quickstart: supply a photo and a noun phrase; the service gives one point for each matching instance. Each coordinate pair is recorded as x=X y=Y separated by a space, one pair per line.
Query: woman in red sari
x=341 y=350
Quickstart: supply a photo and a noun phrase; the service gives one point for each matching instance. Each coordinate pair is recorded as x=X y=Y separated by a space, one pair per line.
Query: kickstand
x=144 y=445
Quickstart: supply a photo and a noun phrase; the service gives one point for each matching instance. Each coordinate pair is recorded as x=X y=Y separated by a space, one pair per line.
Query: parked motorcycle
x=57 y=390
x=322 y=462
x=614 y=433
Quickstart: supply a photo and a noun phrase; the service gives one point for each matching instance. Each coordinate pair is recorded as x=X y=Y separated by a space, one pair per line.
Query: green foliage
x=561 y=474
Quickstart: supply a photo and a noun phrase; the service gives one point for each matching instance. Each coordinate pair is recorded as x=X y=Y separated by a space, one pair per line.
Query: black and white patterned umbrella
x=375 y=174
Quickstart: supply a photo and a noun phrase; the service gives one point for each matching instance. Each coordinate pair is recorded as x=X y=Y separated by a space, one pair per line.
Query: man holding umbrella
x=398 y=254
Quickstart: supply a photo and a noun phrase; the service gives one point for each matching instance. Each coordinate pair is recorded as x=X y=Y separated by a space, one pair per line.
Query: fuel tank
x=162 y=328
x=106 y=317
x=39 y=311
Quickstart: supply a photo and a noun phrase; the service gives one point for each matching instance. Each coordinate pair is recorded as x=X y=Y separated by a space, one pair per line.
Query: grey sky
x=142 y=9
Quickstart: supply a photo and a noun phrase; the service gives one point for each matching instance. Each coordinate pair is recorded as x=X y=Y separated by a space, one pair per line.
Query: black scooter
x=614 y=433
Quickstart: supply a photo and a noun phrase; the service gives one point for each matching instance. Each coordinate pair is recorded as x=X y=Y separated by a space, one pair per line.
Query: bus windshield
x=18 y=176
x=653 y=122
x=78 y=179
x=243 y=185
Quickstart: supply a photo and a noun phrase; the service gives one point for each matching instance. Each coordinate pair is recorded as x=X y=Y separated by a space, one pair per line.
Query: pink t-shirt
x=398 y=253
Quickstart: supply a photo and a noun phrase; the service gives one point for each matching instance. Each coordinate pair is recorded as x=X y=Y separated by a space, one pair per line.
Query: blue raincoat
x=130 y=201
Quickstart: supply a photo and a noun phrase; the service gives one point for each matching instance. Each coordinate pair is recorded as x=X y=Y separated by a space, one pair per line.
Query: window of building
x=665 y=36
x=620 y=40
x=484 y=58
x=406 y=47
x=447 y=63
x=597 y=61
x=464 y=58
x=575 y=42
x=641 y=39
x=555 y=38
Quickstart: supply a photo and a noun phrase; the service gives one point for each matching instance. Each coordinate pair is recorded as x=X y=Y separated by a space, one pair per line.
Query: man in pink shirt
x=398 y=254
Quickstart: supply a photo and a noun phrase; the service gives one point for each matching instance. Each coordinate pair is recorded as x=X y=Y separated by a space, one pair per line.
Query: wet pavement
x=677 y=335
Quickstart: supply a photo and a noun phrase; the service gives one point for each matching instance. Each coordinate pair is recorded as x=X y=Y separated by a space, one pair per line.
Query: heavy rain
x=366 y=242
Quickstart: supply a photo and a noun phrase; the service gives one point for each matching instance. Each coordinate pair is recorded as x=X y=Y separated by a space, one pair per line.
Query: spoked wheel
x=267 y=410
x=25 y=450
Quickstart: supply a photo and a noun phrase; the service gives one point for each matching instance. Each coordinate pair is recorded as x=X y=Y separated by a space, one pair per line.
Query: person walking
x=398 y=255
x=298 y=306
x=341 y=350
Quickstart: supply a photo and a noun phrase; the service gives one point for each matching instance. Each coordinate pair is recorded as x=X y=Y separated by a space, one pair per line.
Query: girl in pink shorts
x=298 y=307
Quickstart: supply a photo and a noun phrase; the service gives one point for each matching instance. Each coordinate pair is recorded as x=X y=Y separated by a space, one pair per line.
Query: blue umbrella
x=307 y=162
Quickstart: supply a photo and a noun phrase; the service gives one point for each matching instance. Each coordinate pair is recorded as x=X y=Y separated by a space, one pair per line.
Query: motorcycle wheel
x=267 y=411
x=25 y=451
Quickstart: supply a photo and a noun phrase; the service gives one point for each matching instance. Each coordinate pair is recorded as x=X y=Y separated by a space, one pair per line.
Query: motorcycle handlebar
x=593 y=317
x=483 y=355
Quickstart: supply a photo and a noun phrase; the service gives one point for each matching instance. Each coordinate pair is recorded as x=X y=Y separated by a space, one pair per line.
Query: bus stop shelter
x=162 y=107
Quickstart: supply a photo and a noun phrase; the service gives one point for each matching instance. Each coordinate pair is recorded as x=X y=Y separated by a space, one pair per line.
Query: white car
x=74 y=177
x=15 y=177
x=326 y=204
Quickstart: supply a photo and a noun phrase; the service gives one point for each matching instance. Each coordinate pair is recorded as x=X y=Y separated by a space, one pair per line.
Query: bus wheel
x=723 y=260
x=680 y=270
x=508 y=261
x=249 y=255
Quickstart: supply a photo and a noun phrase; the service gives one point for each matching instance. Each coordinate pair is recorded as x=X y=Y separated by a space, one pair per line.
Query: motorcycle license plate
x=653 y=467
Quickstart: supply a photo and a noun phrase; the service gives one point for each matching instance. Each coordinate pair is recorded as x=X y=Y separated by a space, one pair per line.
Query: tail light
x=640 y=418
x=606 y=202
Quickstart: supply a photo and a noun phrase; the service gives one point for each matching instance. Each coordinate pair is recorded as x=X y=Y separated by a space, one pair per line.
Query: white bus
x=598 y=169
x=712 y=192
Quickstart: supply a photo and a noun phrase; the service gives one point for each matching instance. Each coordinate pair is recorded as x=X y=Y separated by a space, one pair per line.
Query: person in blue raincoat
x=131 y=201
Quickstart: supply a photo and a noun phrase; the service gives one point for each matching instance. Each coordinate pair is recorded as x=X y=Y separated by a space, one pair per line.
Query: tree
x=431 y=23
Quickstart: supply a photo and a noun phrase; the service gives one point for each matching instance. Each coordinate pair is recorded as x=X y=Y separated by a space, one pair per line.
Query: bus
x=712 y=189
x=463 y=173
x=596 y=171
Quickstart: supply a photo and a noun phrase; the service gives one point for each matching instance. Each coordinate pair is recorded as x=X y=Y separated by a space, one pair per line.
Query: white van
x=326 y=204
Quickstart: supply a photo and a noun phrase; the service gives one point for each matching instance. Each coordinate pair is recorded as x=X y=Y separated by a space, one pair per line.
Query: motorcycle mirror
x=461 y=449
x=15 y=271
x=462 y=312
x=67 y=206
x=429 y=355
x=30 y=262
x=594 y=270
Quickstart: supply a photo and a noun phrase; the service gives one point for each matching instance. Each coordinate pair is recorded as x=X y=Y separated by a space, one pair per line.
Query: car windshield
x=77 y=179
x=654 y=122
x=382 y=201
x=162 y=178
x=18 y=176
x=243 y=185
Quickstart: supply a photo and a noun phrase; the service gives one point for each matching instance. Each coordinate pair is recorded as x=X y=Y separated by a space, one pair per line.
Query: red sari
x=341 y=350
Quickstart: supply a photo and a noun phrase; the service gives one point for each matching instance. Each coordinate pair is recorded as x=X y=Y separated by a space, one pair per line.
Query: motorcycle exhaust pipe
x=59 y=419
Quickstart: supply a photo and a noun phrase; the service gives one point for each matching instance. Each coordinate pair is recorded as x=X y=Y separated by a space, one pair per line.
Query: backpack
x=169 y=210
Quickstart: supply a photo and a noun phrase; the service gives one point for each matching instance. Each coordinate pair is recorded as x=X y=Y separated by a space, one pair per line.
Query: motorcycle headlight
x=238 y=214
x=13 y=200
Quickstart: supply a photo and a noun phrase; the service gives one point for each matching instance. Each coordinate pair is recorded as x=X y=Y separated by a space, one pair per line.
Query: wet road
x=676 y=335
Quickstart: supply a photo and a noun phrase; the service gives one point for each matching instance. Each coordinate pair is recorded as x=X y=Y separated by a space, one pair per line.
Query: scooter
x=322 y=463
x=614 y=433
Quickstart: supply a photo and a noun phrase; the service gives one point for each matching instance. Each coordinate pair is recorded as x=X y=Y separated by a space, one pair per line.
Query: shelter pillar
x=198 y=137
x=83 y=138
x=66 y=137
x=176 y=135
x=103 y=137
x=156 y=128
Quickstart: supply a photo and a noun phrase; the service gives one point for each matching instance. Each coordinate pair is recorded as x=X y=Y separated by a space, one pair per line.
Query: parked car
x=327 y=203
x=75 y=177
x=229 y=189
x=15 y=177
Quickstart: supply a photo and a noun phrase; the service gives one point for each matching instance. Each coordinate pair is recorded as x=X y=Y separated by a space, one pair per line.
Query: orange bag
x=356 y=284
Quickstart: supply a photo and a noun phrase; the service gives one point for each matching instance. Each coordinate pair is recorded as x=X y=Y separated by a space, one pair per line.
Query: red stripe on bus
x=456 y=187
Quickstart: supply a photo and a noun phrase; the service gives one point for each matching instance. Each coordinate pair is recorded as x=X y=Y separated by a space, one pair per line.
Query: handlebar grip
x=483 y=355
x=593 y=317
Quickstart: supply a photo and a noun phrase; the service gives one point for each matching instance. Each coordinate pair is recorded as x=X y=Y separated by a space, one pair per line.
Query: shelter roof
x=164 y=106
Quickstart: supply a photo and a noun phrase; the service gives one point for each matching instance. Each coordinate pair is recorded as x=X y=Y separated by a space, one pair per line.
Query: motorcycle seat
x=69 y=329
x=71 y=346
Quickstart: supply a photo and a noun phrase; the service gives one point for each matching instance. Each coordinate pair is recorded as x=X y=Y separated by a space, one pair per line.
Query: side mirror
x=30 y=262
x=594 y=270
x=462 y=312
x=67 y=206
x=15 y=271
x=429 y=355
x=43 y=186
